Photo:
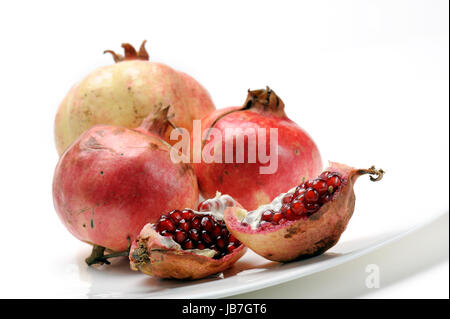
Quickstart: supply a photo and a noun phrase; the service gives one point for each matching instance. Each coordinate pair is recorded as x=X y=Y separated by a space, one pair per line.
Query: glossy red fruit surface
x=248 y=181
x=108 y=184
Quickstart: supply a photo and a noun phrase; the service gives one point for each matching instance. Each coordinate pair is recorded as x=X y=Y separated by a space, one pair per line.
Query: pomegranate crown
x=264 y=100
x=158 y=121
x=130 y=53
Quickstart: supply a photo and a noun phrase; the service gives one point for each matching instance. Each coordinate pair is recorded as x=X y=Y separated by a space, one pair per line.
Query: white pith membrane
x=253 y=218
x=218 y=205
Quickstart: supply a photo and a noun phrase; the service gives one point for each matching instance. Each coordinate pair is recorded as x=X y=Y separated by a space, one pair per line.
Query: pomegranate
x=305 y=221
x=295 y=154
x=114 y=180
x=124 y=93
x=188 y=244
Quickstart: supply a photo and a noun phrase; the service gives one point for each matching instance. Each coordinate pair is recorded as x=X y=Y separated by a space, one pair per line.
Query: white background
x=367 y=79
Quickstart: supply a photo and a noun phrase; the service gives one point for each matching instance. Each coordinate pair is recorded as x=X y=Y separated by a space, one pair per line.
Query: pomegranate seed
x=299 y=190
x=298 y=207
x=194 y=235
x=200 y=245
x=184 y=225
x=221 y=242
x=196 y=223
x=217 y=230
x=289 y=214
x=284 y=208
x=180 y=236
x=203 y=206
x=206 y=237
x=334 y=181
x=324 y=174
x=300 y=197
x=309 y=183
x=276 y=218
x=175 y=215
x=201 y=231
x=206 y=224
x=267 y=215
x=187 y=244
x=288 y=198
x=225 y=232
x=312 y=207
x=311 y=195
x=320 y=186
x=187 y=214
x=166 y=224
x=231 y=247
x=165 y=233
x=307 y=199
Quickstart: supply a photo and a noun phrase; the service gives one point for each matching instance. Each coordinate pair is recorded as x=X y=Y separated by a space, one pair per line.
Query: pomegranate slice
x=187 y=244
x=305 y=221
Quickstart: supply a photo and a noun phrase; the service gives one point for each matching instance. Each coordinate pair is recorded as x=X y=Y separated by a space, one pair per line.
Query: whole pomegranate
x=124 y=93
x=306 y=221
x=245 y=175
x=188 y=244
x=114 y=180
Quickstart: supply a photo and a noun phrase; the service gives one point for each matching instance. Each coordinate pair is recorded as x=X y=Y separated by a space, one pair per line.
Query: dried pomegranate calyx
x=375 y=174
x=130 y=53
x=263 y=100
x=159 y=122
x=98 y=255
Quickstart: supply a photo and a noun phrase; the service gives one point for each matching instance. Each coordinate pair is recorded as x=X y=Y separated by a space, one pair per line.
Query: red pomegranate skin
x=298 y=159
x=112 y=181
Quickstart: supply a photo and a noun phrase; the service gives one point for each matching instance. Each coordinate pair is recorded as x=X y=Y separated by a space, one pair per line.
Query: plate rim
x=336 y=261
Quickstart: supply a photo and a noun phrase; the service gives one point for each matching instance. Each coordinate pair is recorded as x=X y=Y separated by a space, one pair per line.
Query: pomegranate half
x=125 y=93
x=114 y=180
x=295 y=153
x=306 y=221
x=188 y=244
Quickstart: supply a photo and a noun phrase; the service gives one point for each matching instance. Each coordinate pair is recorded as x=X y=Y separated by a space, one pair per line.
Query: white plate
x=250 y=273
x=61 y=273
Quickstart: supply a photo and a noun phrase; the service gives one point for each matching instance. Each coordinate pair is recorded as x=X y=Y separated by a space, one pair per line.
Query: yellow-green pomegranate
x=126 y=92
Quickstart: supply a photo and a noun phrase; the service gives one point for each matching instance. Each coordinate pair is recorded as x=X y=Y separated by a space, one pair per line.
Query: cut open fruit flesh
x=187 y=244
x=309 y=232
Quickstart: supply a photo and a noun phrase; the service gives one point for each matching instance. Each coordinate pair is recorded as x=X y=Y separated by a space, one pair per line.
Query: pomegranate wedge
x=306 y=221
